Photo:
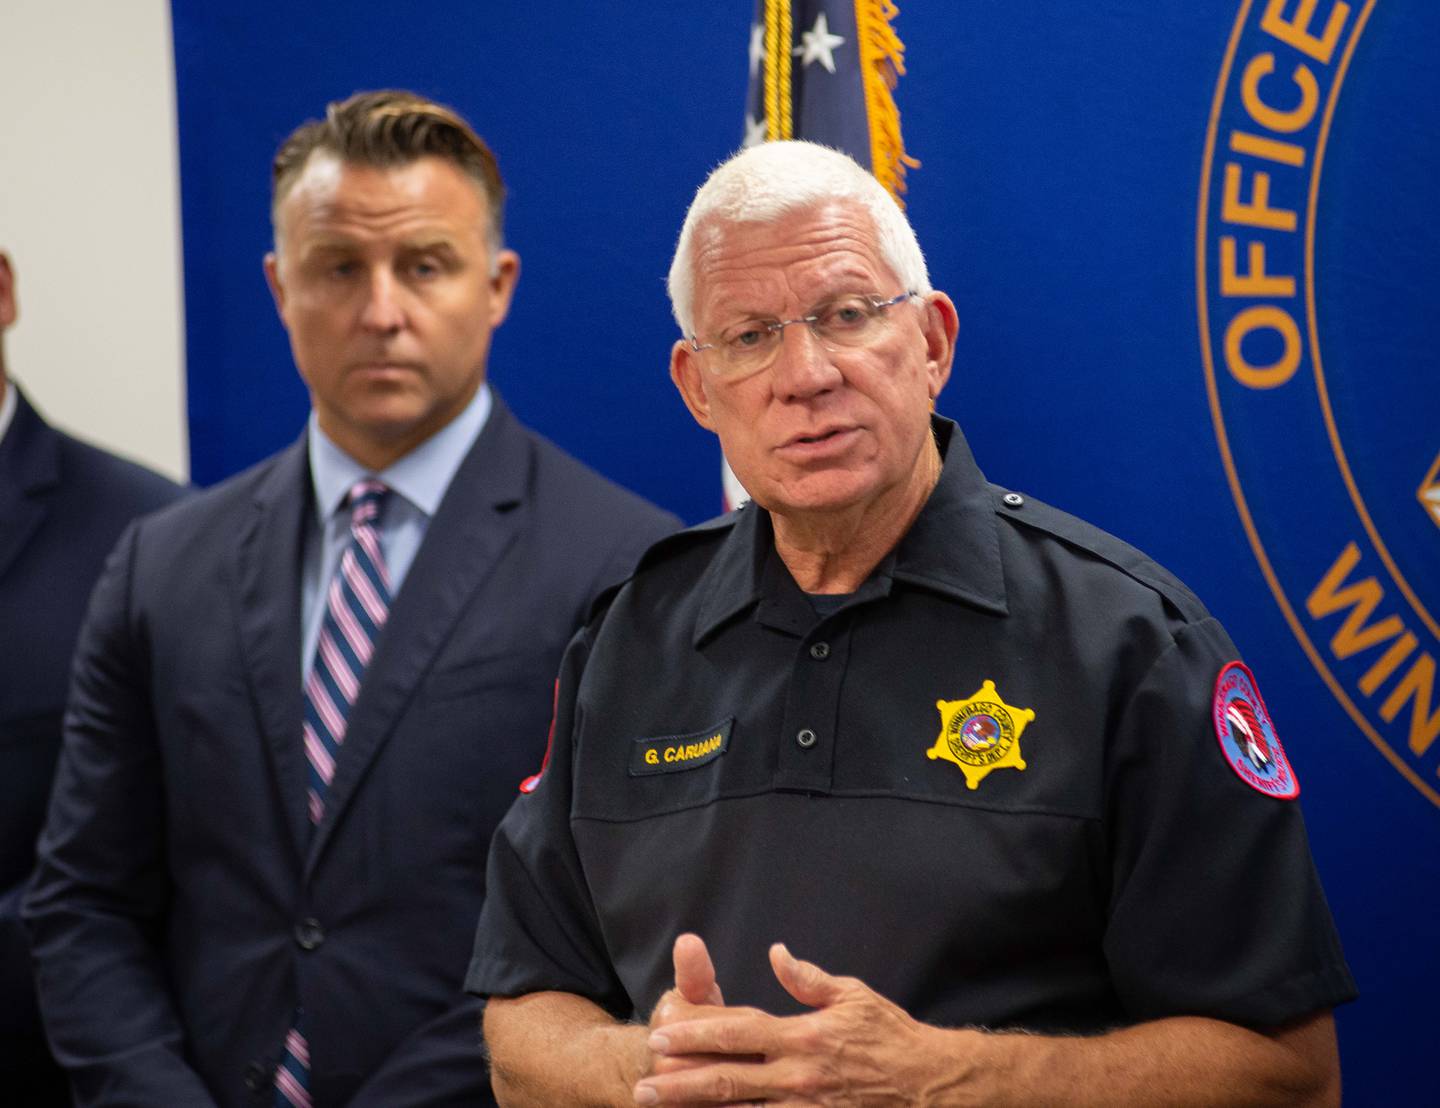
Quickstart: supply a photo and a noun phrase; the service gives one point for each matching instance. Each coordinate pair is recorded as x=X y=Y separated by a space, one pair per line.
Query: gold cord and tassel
x=882 y=63
x=779 y=34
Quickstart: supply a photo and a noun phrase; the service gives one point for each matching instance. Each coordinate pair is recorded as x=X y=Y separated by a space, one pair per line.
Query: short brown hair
x=386 y=129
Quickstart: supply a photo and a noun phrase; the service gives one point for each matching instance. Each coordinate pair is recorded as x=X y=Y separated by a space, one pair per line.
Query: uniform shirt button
x=805 y=738
x=309 y=934
x=820 y=651
x=1013 y=500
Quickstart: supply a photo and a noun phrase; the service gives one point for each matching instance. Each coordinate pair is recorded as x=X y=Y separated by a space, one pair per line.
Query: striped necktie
x=356 y=606
x=355 y=609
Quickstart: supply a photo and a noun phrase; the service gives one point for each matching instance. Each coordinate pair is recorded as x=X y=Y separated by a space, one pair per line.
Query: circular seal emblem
x=1247 y=737
x=1318 y=335
x=982 y=731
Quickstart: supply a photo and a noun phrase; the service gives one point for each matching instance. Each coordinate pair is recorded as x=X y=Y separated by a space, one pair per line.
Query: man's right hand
x=696 y=995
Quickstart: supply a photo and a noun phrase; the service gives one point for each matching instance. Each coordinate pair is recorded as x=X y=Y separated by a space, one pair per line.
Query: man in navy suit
x=63 y=504
x=303 y=700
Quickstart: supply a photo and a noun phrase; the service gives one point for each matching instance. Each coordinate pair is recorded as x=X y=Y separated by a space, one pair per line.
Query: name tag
x=672 y=753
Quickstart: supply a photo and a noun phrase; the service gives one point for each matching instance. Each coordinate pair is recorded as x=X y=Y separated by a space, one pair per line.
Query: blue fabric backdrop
x=1073 y=201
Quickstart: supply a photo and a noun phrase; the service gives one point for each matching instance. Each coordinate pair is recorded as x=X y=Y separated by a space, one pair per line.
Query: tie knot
x=366 y=499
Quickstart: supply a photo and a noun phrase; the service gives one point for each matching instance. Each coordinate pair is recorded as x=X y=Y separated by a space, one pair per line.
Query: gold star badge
x=980 y=734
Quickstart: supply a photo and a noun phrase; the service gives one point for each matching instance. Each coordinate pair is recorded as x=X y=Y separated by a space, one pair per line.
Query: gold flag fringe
x=779 y=34
x=882 y=63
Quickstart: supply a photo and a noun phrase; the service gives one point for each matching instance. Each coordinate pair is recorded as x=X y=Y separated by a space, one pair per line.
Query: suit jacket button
x=309 y=934
x=257 y=1077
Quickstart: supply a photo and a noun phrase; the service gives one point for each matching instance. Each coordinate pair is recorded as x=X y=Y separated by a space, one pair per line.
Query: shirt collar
x=952 y=548
x=7 y=407
x=421 y=476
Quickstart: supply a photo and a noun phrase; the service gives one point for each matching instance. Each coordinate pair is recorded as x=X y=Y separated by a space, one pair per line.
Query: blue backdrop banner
x=1192 y=245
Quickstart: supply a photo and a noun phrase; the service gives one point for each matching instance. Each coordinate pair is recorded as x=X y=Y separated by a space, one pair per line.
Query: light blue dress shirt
x=417 y=482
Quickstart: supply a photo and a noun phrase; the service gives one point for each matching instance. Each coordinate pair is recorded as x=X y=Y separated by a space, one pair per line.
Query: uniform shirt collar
x=421 y=476
x=7 y=407
x=952 y=548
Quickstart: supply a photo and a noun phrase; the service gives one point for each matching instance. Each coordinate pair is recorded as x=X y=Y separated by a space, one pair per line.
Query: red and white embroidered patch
x=1247 y=737
x=531 y=783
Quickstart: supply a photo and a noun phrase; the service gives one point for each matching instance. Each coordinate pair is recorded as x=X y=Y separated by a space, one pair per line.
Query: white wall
x=90 y=216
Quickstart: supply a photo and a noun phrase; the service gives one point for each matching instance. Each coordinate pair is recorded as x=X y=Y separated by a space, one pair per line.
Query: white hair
x=762 y=183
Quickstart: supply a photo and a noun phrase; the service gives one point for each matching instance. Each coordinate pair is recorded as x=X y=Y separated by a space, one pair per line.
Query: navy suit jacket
x=183 y=908
x=62 y=506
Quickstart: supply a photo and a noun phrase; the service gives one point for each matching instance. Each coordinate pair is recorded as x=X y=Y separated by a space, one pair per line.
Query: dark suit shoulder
x=688 y=552
x=603 y=526
x=1027 y=516
x=573 y=487
x=202 y=508
x=183 y=545
x=131 y=488
x=79 y=481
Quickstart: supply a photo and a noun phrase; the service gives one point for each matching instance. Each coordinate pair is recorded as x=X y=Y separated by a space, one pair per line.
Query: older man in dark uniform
x=973 y=759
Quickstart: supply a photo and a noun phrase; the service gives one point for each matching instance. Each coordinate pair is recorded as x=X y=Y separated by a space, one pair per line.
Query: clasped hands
x=854 y=1048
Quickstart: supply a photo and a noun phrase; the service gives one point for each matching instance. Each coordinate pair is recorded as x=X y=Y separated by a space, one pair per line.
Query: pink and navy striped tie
x=356 y=607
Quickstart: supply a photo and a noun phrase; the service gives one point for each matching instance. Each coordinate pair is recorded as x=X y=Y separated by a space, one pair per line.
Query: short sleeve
x=538 y=929
x=1216 y=907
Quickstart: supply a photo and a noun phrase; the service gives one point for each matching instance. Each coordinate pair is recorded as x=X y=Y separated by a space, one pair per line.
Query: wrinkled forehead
x=796 y=259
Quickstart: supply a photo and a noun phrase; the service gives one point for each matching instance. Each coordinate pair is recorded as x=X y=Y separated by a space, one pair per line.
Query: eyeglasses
x=846 y=322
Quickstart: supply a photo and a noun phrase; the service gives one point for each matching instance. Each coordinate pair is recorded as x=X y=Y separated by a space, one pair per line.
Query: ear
x=9 y=310
x=505 y=274
x=272 y=278
x=940 y=326
x=685 y=371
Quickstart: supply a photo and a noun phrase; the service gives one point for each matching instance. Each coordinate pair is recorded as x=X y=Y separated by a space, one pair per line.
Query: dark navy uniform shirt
x=989 y=786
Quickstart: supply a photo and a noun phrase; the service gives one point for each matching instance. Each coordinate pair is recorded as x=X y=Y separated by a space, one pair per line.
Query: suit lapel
x=268 y=572
x=477 y=521
x=29 y=469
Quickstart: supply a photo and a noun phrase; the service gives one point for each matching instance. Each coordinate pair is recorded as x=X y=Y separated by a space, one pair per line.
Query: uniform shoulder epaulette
x=672 y=544
x=1026 y=511
x=662 y=550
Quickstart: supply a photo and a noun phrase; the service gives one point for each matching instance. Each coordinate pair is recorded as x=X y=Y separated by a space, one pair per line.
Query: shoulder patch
x=1247 y=737
x=531 y=783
